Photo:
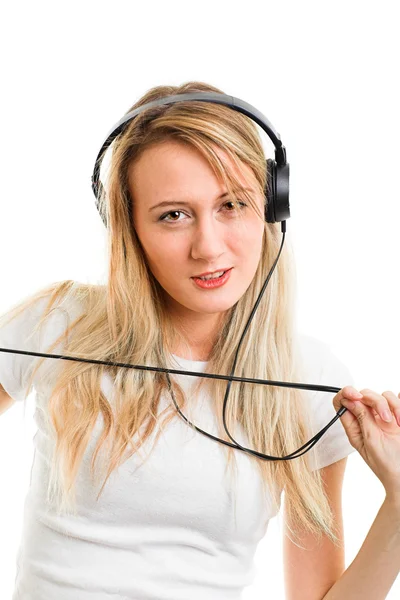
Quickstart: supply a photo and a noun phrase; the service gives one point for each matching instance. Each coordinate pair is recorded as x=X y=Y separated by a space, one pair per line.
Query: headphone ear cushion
x=270 y=191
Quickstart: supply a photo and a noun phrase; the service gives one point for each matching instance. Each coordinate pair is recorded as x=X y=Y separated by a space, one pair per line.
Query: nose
x=208 y=241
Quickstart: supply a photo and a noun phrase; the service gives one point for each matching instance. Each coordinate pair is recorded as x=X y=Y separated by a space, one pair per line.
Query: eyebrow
x=183 y=203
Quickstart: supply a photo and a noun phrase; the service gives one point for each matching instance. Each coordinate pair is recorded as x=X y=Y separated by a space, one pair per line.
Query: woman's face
x=196 y=231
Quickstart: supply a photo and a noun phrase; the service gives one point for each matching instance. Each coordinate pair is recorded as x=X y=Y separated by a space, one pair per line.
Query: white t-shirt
x=171 y=528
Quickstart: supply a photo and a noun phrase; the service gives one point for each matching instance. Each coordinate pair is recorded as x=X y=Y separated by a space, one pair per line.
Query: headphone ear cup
x=277 y=192
x=270 y=191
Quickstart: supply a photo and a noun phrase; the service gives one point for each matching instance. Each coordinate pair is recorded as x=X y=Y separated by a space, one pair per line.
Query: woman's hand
x=377 y=440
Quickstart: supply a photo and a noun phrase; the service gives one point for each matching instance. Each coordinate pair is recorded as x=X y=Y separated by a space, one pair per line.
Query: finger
x=348 y=392
x=379 y=403
x=348 y=419
x=394 y=403
x=365 y=419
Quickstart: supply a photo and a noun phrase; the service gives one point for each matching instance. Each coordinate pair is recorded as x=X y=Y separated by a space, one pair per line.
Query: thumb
x=362 y=426
x=354 y=418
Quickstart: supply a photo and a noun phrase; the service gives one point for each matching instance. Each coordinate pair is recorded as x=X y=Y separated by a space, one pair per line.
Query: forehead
x=174 y=163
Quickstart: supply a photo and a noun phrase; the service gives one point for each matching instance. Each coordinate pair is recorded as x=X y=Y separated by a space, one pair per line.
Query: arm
x=311 y=571
x=375 y=568
x=318 y=572
x=5 y=400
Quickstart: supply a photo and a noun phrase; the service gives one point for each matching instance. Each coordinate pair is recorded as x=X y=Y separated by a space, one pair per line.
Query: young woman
x=126 y=500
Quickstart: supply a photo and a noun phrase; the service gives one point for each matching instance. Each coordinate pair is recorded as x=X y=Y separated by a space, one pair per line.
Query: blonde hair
x=126 y=321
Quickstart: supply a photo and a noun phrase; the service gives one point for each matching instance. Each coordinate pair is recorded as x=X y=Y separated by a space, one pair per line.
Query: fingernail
x=356 y=395
x=387 y=416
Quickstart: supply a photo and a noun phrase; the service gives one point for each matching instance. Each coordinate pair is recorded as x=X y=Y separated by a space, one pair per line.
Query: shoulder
x=321 y=365
x=312 y=346
x=41 y=323
x=320 y=362
x=49 y=309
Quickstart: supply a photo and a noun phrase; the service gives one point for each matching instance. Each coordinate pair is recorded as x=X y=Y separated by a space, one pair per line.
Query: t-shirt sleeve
x=326 y=368
x=23 y=332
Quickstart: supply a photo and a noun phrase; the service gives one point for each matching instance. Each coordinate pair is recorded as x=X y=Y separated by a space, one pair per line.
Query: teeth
x=214 y=276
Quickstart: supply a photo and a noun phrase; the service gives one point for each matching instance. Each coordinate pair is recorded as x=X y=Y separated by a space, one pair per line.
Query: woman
x=99 y=522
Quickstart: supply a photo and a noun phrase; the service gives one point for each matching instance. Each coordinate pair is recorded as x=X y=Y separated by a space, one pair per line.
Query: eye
x=163 y=217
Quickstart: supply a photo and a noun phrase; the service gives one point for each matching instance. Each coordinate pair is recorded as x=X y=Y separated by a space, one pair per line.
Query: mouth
x=212 y=282
x=220 y=271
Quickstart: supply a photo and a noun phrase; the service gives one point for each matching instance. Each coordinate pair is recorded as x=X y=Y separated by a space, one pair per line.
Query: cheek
x=250 y=241
x=254 y=248
x=154 y=247
x=152 y=251
x=163 y=260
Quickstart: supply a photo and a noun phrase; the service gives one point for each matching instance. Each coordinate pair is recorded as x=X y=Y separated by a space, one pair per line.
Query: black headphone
x=277 y=210
x=277 y=192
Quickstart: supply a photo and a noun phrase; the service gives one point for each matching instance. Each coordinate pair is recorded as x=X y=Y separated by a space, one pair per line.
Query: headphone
x=277 y=209
x=277 y=197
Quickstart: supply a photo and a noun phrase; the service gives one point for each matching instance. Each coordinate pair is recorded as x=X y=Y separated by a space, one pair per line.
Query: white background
x=324 y=74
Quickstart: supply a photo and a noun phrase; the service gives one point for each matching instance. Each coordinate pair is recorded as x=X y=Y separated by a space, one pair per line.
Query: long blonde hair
x=126 y=321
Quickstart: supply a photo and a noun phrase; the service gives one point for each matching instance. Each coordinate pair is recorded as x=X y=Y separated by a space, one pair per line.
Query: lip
x=211 y=284
x=212 y=272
